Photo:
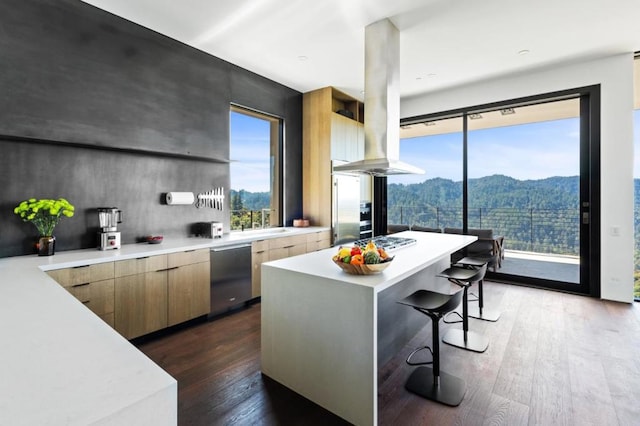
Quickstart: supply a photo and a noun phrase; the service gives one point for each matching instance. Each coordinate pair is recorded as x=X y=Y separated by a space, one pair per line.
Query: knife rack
x=213 y=199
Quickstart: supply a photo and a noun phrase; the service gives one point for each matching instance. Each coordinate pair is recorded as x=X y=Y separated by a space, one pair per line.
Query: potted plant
x=45 y=215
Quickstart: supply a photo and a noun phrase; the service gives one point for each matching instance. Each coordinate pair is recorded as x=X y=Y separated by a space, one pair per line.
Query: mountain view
x=533 y=215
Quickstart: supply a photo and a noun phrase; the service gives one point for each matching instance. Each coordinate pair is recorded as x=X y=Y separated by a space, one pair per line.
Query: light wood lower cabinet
x=279 y=248
x=318 y=241
x=259 y=254
x=189 y=287
x=141 y=295
x=92 y=285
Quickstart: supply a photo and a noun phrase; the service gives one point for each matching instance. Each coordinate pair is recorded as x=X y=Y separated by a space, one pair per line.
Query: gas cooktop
x=387 y=243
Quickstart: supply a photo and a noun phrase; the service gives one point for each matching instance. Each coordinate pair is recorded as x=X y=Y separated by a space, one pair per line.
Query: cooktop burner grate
x=386 y=242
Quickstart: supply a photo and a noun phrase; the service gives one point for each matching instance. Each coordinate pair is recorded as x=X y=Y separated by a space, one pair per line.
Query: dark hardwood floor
x=553 y=359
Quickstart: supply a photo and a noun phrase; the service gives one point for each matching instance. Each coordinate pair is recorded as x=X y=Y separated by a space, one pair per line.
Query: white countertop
x=407 y=261
x=62 y=365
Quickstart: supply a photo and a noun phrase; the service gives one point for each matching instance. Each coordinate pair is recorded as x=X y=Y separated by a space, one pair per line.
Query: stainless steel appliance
x=388 y=243
x=230 y=277
x=345 y=207
x=108 y=236
x=210 y=229
x=366 y=224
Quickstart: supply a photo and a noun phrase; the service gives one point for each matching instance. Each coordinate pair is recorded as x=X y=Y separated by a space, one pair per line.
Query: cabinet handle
x=288 y=246
x=80 y=285
x=141 y=258
x=189 y=251
x=168 y=269
x=78 y=267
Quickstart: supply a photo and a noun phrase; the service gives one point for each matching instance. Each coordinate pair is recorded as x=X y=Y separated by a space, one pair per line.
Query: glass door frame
x=589 y=183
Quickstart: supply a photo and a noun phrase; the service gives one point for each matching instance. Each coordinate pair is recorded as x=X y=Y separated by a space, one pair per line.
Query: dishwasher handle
x=233 y=247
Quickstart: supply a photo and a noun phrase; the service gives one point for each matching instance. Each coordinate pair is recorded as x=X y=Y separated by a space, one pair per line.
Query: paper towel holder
x=179 y=198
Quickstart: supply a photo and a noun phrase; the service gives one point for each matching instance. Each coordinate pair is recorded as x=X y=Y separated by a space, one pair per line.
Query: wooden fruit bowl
x=366 y=269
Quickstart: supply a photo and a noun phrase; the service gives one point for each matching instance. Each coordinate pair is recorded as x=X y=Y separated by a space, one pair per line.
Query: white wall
x=615 y=75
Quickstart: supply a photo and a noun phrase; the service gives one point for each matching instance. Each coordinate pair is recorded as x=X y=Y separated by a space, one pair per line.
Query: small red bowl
x=155 y=239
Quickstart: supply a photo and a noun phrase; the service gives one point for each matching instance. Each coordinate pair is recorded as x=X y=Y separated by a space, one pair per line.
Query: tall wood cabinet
x=333 y=129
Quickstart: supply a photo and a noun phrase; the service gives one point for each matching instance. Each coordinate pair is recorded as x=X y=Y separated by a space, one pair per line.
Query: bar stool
x=464 y=338
x=431 y=383
x=478 y=312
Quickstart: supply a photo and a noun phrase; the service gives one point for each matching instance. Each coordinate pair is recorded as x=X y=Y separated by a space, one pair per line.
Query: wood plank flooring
x=553 y=359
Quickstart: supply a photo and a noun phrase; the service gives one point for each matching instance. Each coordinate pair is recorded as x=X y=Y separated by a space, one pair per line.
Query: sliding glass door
x=528 y=173
x=524 y=185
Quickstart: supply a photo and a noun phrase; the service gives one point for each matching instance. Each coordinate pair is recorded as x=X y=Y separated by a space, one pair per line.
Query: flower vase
x=46 y=246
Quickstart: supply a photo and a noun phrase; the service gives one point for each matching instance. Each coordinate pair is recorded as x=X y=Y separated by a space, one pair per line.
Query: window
x=255 y=169
x=522 y=169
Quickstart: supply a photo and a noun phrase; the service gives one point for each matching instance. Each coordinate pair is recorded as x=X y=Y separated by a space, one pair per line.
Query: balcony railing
x=555 y=231
x=250 y=219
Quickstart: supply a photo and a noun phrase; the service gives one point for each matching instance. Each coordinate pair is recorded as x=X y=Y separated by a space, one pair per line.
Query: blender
x=108 y=236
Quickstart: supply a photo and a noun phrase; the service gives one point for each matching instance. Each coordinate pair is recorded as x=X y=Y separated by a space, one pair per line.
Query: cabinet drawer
x=187 y=258
x=318 y=236
x=102 y=271
x=98 y=296
x=285 y=242
x=140 y=265
x=298 y=249
x=82 y=274
x=71 y=276
x=259 y=246
x=316 y=245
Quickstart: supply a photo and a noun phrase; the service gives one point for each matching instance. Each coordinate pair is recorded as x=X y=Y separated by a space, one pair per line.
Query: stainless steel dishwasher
x=230 y=277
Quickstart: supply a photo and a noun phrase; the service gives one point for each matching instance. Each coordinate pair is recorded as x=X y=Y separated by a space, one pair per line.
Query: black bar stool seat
x=463 y=338
x=478 y=312
x=431 y=383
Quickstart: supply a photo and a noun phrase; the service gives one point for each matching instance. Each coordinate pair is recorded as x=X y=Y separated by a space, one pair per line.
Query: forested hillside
x=495 y=191
x=535 y=215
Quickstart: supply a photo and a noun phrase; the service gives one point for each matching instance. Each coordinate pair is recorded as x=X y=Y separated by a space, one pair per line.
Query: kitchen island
x=324 y=332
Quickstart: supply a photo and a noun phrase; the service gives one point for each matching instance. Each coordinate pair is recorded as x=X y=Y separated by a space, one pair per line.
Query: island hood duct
x=382 y=104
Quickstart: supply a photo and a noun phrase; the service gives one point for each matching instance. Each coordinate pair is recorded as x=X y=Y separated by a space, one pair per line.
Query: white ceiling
x=444 y=43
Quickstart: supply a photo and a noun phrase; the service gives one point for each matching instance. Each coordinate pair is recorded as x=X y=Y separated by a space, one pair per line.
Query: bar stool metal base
x=485 y=315
x=449 y=390
x=474 y=342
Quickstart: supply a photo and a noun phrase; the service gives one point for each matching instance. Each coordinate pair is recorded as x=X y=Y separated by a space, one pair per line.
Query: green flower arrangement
x=44 y=214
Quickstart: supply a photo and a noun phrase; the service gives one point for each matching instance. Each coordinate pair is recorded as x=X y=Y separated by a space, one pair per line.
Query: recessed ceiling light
x=418 y=78
x=507 y=111
x=431 y=75
x=523 y=52
x=475 y=116
x=302 y=58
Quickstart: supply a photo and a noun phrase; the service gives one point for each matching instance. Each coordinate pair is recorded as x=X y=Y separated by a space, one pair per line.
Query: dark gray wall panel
x=91 y=178
x=82 y=75
x=101 y=111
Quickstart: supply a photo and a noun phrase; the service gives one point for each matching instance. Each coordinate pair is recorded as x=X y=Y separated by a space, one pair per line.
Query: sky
x=250 y=152
x=530 y=151
x=527 y=151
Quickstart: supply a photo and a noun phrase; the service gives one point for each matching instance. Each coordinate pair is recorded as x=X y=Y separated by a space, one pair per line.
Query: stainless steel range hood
x=382 y=104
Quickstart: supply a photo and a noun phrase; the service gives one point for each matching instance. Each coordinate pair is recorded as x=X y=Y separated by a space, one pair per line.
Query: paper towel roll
x=177 y=198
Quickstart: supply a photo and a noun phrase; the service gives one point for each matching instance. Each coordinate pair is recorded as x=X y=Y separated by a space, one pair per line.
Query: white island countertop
x=62 y=365
x=406 y=261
